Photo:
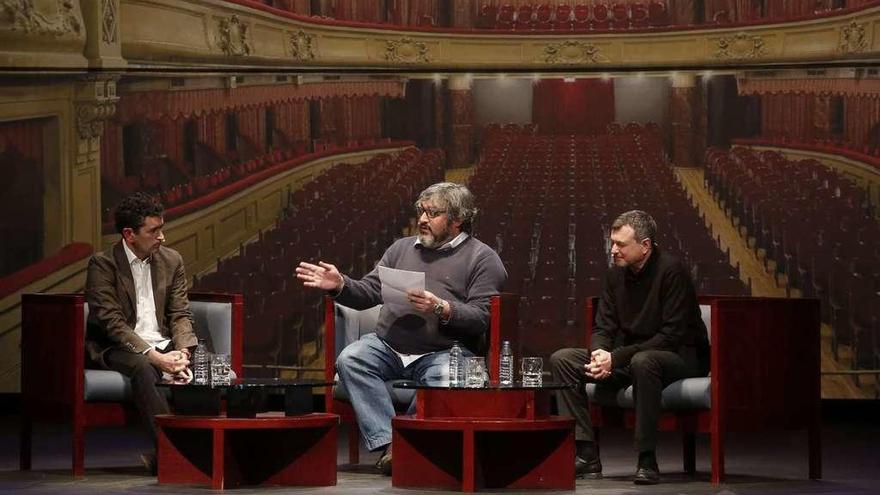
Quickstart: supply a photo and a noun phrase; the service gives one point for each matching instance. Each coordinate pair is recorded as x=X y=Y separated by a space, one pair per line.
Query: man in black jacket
x=648 y=300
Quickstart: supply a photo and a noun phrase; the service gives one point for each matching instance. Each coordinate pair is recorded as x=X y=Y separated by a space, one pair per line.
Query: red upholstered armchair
x=524 y=16
x=638 y=15
x=581 y=19
x=505 y=17
x=488 y=16
x=658 y=14
x=543 y=15
x=620 y=16
x=562 y=19
x=343 y=325
x=56 y=386
x=764 y=376
x=601 y=16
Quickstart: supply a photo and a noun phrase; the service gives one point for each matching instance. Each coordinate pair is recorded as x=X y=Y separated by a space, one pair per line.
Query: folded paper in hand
x=396 y=283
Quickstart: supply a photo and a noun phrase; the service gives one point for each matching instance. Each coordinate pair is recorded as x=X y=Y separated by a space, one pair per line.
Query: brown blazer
x=112 y=302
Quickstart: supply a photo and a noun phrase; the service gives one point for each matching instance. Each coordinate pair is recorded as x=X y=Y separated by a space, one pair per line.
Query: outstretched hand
x=321 y=276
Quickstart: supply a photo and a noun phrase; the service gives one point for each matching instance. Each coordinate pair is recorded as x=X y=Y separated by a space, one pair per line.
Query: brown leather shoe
x=384 y=462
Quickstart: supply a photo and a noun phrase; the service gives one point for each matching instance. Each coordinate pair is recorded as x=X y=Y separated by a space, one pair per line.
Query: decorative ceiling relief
x=24 y=15
x=740 y=46
x=233 y=38
x=573 y=52
x=406 y=50
x=302 y=46
x=853 y=38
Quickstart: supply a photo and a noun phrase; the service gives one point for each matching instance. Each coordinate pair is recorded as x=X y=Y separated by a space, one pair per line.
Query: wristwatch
x=438 y=308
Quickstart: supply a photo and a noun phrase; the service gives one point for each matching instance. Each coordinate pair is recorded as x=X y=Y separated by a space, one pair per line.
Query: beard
x=431 y=240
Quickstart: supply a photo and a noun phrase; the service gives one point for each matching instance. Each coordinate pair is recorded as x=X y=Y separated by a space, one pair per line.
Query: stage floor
x=773 y=463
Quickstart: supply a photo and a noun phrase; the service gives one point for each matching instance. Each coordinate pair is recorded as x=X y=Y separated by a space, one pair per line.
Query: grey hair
x=643 y=224
x=456 y=199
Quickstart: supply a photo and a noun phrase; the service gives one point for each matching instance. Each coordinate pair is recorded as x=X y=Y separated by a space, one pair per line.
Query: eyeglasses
x=430 y=213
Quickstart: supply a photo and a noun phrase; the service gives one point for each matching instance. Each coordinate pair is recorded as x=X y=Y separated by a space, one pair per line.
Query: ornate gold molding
x=740 y=46
x=853 y=38
x=302 y=46
x=573 y=52
x=23 y=15
x=109 y=23
x=233 y=38
x=406 y=50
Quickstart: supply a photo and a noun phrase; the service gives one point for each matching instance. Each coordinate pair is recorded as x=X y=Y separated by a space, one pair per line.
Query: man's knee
x=143 y=372
x=352 y=357
x=645 y=362
x=563 y=359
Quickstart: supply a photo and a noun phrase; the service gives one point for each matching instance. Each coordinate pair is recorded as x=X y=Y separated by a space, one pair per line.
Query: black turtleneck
x=655 y=308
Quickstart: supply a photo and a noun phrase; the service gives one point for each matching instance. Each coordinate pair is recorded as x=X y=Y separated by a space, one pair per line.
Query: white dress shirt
x=147 y=326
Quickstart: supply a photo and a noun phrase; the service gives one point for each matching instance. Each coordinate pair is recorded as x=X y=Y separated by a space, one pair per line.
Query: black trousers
x=649 y=373
x=148 y=399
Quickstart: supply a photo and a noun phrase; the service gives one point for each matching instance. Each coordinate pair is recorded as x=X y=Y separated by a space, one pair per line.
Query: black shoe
x=647 y=476
x=149 y=462
x=588 y=469
x=384 y=462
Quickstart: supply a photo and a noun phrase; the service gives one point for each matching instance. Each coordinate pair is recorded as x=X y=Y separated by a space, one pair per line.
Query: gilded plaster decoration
x=302 y=46
x=109 y=24
x=90 y=116
x=853 y=38
x=406 y=50
x=573 y=52
x=25 y=15
x=234 y=37
x=739 y=46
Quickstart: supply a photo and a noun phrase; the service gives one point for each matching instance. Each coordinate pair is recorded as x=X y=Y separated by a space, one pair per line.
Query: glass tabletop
x=256 y=383
x=491 y=386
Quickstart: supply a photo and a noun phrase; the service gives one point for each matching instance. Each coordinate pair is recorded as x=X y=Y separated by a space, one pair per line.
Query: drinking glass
x=532 y=371
x=220 y=370
x=475 y=372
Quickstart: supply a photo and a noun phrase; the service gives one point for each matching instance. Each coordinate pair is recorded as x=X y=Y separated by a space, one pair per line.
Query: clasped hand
x=599 y=366
x=173 y=362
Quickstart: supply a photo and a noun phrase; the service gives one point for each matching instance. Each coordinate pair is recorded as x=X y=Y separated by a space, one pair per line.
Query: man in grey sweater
x=461 y=275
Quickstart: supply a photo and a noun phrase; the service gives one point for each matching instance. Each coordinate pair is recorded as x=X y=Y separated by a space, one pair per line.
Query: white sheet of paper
x=396 y=283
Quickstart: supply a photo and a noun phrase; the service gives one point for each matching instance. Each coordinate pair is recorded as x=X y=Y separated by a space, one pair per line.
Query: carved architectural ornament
x=234 y=37
x=109 y=23
x=740 y=46
x=91 y=115
x=302 y=46
x=23 y=15
x=573 y=52
x=853 y=38
x=406 y=50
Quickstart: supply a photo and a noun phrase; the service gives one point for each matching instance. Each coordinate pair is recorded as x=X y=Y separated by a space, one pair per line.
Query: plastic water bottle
x=505 y=365
x=456 y=366
x=201 y=364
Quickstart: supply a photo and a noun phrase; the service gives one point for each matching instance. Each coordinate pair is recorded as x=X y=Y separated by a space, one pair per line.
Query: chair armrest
x=52 y=352
x=329 y=349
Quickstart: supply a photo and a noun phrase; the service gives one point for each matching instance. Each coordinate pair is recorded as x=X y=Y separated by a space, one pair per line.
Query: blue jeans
x=365 y=365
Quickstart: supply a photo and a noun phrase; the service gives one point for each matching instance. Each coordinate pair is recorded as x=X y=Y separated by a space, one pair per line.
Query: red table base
x=267 y=450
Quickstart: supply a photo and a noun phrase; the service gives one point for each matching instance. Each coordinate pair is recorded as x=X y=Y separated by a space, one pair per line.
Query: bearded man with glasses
x=461 y=275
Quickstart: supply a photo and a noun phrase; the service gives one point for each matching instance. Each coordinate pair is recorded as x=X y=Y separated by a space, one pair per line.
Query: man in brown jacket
x=139 y=320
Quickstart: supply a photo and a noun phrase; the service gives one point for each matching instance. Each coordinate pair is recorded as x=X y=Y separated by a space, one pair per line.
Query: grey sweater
x=466 y=276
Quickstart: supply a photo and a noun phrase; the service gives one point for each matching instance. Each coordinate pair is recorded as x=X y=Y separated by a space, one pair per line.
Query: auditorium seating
x=547 y=203
x=347 y=216
x=819 y=230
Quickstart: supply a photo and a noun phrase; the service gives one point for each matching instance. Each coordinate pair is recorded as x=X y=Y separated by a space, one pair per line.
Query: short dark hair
x=133 y=210
x=642 y=224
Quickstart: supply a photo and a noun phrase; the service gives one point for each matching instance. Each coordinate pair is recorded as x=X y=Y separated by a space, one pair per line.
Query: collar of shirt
x=647 y=268
x=454 y=243
x=131 y=256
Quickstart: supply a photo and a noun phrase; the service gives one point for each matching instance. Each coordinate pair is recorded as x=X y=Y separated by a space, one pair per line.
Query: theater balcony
x=251 y=34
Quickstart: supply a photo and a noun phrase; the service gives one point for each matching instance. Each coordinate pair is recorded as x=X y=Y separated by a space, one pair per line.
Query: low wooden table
x=270 y=449
x=492 y=437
